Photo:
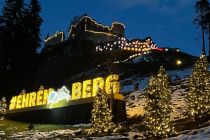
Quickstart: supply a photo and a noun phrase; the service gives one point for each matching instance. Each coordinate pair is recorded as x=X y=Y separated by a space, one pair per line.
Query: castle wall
x=57 y=38
x=88 y=29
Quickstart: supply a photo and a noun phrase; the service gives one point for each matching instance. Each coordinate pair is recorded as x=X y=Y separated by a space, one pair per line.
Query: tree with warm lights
x=3 y=107
x=101 y=115
x=198 y=98
x=158 y=108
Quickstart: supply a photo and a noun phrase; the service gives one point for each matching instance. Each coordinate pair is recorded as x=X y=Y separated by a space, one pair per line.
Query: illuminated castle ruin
x=104 y=38
x=57 y=38
x=89 y=29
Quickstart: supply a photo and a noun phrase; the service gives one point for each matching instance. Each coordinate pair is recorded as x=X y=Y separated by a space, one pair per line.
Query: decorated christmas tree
x=198 y=98
x=101 y=115
x=3 y=107
x=158 y=107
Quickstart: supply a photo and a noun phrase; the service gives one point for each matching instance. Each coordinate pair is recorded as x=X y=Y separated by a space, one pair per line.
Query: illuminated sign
x=88 y=88
x=56 y=96
x=80 y=90
x=30 y=99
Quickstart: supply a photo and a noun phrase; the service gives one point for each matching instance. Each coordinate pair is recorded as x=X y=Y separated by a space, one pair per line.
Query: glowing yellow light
x=98 y=83
x=32 y=99
x=46 y=94
x=19 y=101
x=87 y=89
x=25 y=99
x=13 y=103
x=112 y=84
x=178 y=62
x=76 y=90
x=39 y=97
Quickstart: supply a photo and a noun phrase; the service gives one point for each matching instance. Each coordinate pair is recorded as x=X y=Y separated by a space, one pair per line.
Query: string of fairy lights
x=137 y=47
x=122 y=43
x=97 y=25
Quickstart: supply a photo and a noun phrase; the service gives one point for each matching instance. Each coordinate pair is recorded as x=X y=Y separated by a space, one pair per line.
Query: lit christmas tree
x=198 y=98
x=101 y=115
x=3 y=107
x=158 y=108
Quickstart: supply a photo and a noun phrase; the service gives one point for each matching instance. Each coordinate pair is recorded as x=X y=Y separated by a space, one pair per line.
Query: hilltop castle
x=57 y=38
x=87 y=28
x=104 y=38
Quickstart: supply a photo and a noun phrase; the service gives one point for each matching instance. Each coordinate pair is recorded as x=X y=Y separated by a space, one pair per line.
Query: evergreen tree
x=201 y=7
x=31 y=41
x=11 y=32
x=158 y=108
x=101 y=115
x=3 y=107
x=207 y=24
x=36 y=21
x=198 y=98
x=12 y=12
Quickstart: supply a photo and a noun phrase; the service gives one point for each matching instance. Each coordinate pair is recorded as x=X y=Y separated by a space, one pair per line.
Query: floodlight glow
x=178 y=62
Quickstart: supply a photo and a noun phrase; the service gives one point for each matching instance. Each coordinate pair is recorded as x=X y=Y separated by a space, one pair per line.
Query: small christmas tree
x=198 y=98
x=3 y=107
x=158 y=108
x=101 y=115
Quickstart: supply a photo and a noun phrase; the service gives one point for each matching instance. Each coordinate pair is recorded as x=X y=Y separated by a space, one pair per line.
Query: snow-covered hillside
x=135 y=101
x=195 y=134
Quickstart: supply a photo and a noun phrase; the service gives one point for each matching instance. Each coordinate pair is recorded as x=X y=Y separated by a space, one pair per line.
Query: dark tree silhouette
x=31 y=32
x=36 y=20
x=207 y=24
x=201 y=7
x=10 y=26
x=19 y=40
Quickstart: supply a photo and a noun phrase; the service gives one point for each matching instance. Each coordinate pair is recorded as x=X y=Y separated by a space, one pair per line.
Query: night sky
x=168 y=22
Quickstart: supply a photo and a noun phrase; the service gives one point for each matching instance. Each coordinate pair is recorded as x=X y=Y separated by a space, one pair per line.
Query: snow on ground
x=71 y=134
x=196 y=134
x=29 y=135
x=135 y=101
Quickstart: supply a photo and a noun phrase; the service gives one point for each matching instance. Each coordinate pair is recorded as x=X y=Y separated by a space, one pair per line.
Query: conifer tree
x=158 y=107
x=101 y=115
x=12 y=13
x=11 y=32
x=36 y=20
x=31 y=33
x=201 y=7
x=3 y=107
x=198 y=98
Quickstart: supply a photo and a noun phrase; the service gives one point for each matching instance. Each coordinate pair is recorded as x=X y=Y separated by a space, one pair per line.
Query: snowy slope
x=179 y=87
x=195 y=134
x=128 y=83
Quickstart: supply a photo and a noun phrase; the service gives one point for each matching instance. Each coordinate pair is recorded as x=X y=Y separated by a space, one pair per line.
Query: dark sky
x=168 y=22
